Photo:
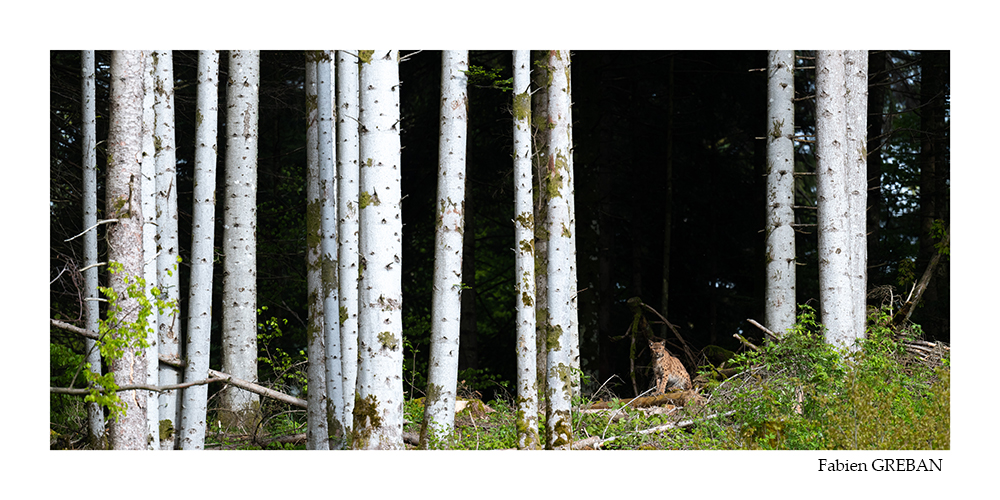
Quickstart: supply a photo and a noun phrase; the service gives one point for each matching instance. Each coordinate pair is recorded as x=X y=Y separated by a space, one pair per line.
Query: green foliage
x=277 y=365
x=801 y=393
x=489 y=78
x=118 y=335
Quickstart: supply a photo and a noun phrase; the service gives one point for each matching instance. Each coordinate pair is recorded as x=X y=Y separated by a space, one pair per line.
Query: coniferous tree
x=149 y=243
x=378 y=410
x=562 y=317
x=326 y=101
x=838 y=309
x=347 y=210
x=124 y=185
x=194 y=406
x=316 y=422
x=524 y=271
x=239 y=285
x=91 y=307
x=446 y=308
x=779 y=307
x=167 y=277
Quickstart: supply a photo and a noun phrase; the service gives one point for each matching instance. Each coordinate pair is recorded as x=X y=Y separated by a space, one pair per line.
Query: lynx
x=668 y=370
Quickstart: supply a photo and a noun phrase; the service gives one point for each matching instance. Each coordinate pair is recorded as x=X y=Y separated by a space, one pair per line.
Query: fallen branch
x=219 y=376
x=903 y=315
x=596 y=442
x=745 y=342
x=139 y=387
x=774 y=336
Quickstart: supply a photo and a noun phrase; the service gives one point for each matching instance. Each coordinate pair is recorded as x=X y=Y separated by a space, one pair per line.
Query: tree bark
x=124 y=185
x=194 y=406
x=378 y=410
x=347 y=210
x=316 y=423
x=562 y=318
x=331 y=284
x=446 y=301
x=239 y=286
x=95 y=417
x=779 y=308
x=167 y=276
x=524 y=272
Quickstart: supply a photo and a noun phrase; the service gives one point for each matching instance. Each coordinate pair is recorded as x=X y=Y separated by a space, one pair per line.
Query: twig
x=774 y=336
x=140 y=387
x=597 y=442
x=105 y=221
x=223 y=377
x=745 y=342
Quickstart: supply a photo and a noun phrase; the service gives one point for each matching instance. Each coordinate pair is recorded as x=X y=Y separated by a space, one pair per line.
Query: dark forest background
x=655 y=132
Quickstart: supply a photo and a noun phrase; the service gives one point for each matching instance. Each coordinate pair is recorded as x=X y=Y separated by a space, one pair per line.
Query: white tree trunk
x=316 y=422
x=562 y=320
x=378 y=412
x=347 y=210
x=779 y=308
x=123 y=189
x=149 y=243
x=539 y=118
x=524 y=269
x=446 y=301
x=331 y=283
x=836 y=305
x=194 y=407
x=167 y=276
x=91 y=309
x=239 y=241
x=856 y=156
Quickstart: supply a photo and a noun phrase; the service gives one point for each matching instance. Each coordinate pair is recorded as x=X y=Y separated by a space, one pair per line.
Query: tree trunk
x=539 y=119
x=149 y=245
x=835 y=268
x=524 y=272
x=562 y=318
x=167 y=276
x=446 y=301
x=124 y=186
x=239 y=285
x=378 y=409
x=331 y=283
x=95 y=417
x=856 y=169
x=194 y=405
x=316 y=422
x=347 y=209
x=779 y=308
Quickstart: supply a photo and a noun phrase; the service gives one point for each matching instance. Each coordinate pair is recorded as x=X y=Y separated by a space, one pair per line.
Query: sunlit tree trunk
x=856 y=169
x=779 y=307
x=347 y=210
x=833 y=206
x=316 y=423
x=539 y=119
x=239 y=241
x=123 y=189
x=446 y=301
x=149 y=244
x=524 y=268
x=331 y=284
x=562 y=319
x=167 y=276
x=378 y=410
x=91 y=309
x=194 y=406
